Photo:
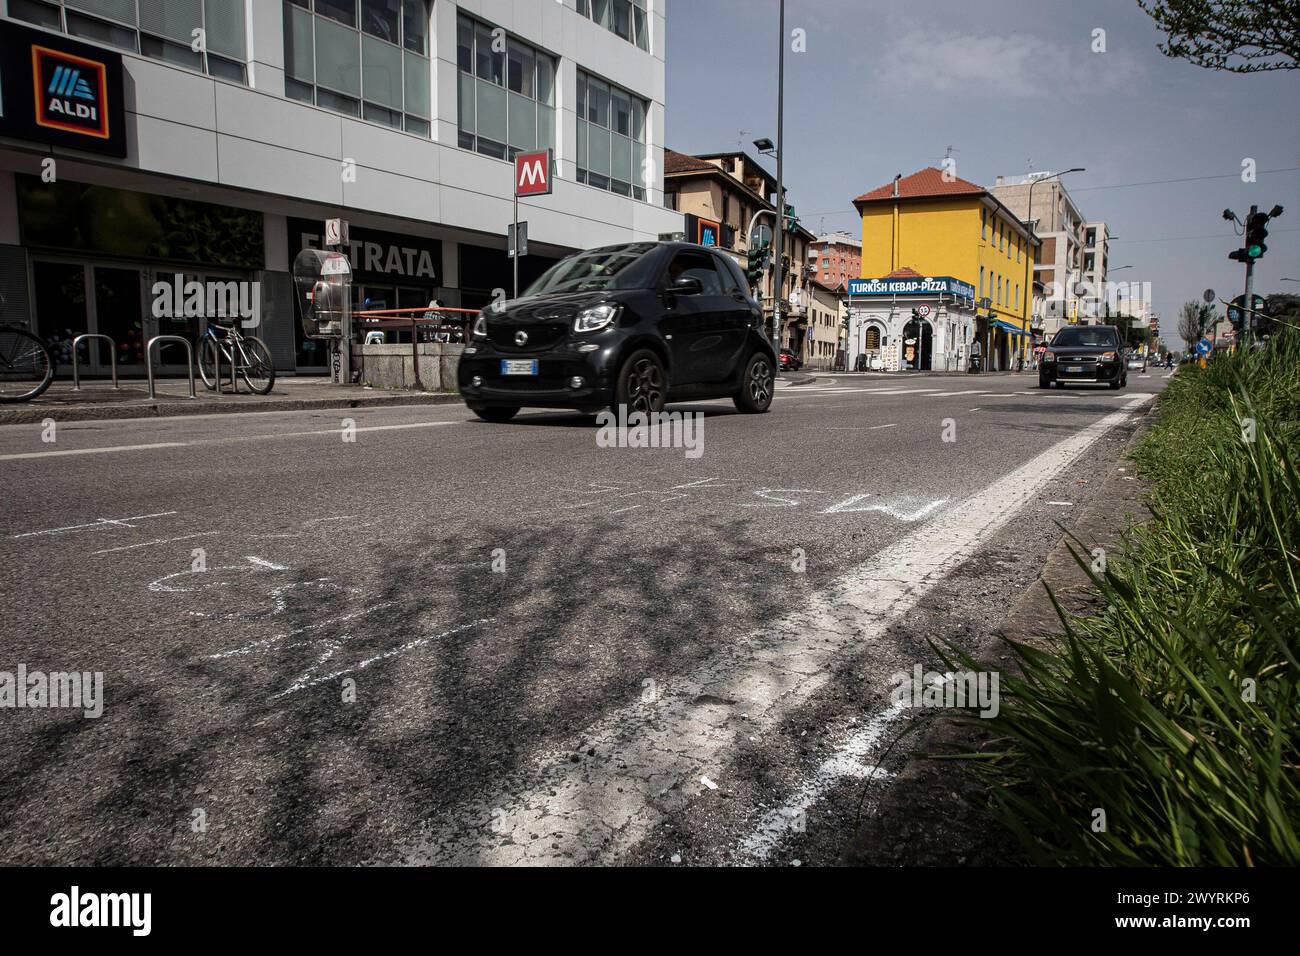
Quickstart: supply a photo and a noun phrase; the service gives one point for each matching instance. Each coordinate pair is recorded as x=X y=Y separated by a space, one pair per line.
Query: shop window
x=364 y=58
x=505 y=97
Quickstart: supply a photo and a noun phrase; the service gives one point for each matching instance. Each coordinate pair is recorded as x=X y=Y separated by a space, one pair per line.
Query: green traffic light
x=1255 y=251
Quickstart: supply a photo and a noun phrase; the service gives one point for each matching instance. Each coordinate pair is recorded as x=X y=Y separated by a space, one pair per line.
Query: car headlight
x=1108 y=356
x=480 y=326
x=1049 y=356
x=595 y=318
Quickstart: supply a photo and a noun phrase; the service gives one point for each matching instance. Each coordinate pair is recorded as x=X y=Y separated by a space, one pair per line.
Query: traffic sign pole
x=1248 y=322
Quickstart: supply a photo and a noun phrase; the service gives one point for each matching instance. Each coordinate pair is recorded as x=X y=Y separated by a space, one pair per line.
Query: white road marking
x=1062 y=504
x=227 y=439
x=96 y=525
x=849 y=760
x=150 y=544
x=558 y=811
x=263 y=563
x=92 y=451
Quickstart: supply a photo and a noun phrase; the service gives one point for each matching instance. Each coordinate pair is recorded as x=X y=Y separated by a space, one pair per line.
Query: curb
x=175 y=409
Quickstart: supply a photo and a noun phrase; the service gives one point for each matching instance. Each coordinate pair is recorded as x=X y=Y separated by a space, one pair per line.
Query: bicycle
x=26 y=368
x=248 y=355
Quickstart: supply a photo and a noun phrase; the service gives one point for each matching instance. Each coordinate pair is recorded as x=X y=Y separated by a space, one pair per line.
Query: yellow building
x=939 y=225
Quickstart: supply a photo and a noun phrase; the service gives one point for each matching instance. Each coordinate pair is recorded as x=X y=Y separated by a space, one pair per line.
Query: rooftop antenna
x=740 y=140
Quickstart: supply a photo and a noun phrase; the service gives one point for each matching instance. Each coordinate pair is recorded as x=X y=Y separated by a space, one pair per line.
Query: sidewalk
x=1027 y=374
x=98 y=400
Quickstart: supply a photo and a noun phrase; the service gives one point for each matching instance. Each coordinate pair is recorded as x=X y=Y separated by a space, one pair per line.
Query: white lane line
x=150 y=544
x=221 y=441
x=848 y=760
x=96 y=525
x=92 y=451
x=650 y=755
x=857 y=428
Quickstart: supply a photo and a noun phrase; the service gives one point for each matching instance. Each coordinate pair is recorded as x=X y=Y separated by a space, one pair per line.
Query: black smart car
x=1085 y=353
x=639 y=325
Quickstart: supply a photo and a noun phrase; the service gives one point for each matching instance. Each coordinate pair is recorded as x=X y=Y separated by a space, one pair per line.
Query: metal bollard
x=148 y=360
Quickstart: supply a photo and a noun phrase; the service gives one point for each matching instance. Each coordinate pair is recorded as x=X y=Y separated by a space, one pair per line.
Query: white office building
x=141 y=139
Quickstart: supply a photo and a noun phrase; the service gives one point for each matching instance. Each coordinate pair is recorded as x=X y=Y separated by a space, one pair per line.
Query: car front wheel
x=642 y=384
x=755 y=395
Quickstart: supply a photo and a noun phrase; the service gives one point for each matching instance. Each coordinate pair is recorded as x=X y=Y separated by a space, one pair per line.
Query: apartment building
x=835 y=258
x=227 y=131
x=720 y=196
x=1073 y=261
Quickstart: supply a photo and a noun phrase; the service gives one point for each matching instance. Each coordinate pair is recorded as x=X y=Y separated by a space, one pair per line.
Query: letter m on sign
x=533 y=173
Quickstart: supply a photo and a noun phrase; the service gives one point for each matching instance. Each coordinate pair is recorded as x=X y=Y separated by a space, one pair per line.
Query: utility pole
x=778 y=272
x=1248 y=319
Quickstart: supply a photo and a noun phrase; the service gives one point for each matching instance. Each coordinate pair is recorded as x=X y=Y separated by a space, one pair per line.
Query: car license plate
x=1074 y=368
x=519 y=366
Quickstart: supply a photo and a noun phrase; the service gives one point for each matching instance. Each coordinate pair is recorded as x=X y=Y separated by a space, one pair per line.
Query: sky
x=887 y=87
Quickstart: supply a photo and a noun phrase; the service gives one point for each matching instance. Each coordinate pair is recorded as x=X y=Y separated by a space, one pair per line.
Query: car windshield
x=599 y=269
x=1096 y=337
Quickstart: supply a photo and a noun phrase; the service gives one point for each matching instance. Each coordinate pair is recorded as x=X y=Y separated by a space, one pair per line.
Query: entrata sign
x=533 y=174
x=60 y=92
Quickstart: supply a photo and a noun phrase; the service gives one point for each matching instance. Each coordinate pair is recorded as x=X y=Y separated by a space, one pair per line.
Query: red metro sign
x=533 y=173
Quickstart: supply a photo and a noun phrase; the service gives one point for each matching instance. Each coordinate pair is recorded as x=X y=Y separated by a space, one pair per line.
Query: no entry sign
x=533 y=174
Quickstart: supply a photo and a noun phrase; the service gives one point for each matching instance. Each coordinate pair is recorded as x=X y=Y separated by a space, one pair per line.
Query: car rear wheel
x=642 y=384
x=755 y=395
x=495 y=413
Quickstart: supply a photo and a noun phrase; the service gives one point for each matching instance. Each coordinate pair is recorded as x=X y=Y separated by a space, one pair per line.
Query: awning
x=1012 y=329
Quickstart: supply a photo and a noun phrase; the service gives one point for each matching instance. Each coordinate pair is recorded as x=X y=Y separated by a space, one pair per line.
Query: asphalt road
x=449 y=641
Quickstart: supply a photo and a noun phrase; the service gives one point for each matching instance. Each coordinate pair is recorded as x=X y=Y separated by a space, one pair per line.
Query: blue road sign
x=1203 y=347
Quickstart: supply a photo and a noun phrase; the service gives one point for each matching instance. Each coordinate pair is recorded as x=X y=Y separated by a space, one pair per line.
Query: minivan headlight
x=595 y=318
x=1108 y=356
x=1049 y=356
x=480 y=326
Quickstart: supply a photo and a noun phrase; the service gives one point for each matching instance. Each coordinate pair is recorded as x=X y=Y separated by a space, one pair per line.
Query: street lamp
x=1029 y=220
x=765 y=146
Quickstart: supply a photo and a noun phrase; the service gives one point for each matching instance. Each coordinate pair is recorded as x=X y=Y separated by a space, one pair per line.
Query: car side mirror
x=688 y=285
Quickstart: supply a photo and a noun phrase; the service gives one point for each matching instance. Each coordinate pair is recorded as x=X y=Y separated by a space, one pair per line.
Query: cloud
x=1013 y=65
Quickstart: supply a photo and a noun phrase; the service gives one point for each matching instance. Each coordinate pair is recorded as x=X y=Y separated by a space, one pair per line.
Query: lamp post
x=1029 y=220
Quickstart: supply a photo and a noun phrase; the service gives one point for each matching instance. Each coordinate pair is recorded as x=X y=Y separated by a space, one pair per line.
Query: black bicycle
x=26 y=368
x=225 y=344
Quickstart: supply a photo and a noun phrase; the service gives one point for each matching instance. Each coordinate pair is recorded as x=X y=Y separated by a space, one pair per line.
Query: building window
x=611 y=138
x=505 y=96
x=981 y=282
x=984 y=225
x=166 y=30
x=626 y=18
x=364 y=58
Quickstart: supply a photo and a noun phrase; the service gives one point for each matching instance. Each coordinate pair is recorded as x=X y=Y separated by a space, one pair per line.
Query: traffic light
x=790 y=218
x=1256 y=233
x=755 y=266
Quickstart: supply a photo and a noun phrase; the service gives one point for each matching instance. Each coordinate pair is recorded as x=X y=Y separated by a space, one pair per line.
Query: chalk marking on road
x=778 y=502
x=263 y=563
x=848 y=760
x=1063 y=504
x=277 y=641
x=857 y=428
x=96 y=525
x=150 y=544
x=92 y=451
x=303 y=681
x=893 y=510
x=557 y=811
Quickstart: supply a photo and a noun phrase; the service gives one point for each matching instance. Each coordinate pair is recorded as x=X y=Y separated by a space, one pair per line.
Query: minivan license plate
x=519 y=366
x=1075 y=368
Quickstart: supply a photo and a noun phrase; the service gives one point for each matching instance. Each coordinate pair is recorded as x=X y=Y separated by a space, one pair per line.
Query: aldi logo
x=60 y=92
x=71 y=92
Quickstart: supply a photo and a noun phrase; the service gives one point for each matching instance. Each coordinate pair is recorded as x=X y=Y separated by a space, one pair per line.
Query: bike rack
x=112 y=357
x=148 y=359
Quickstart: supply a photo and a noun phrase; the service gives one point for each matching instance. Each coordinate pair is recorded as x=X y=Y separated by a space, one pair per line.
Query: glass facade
x=505 y=95
x=365 y=58
x=204 y=35
x=611 y=138
x=624 y=18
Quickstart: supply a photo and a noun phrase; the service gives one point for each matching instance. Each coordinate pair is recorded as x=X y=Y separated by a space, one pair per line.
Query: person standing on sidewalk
x=975 y=356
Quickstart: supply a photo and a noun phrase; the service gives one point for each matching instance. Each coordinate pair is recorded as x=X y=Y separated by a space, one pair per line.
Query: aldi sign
x=60 y=92
x=533 y=174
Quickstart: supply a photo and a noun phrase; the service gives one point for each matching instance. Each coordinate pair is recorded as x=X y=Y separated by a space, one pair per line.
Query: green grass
x=1176 y=710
